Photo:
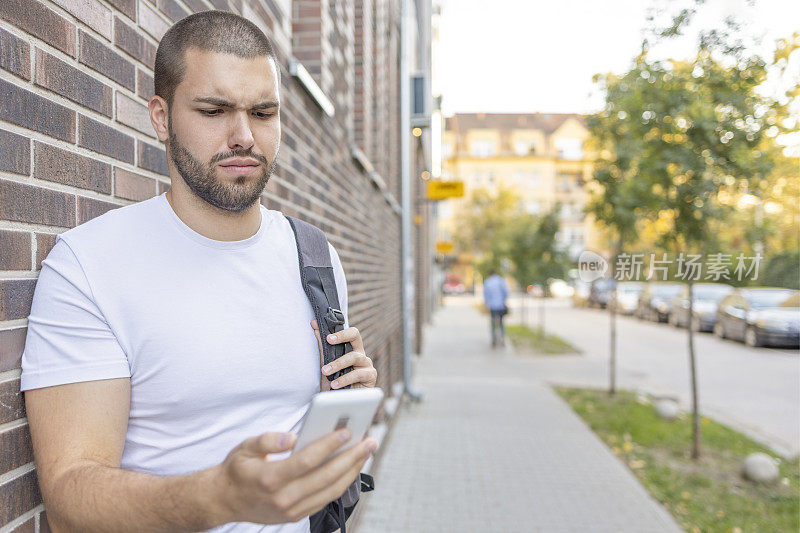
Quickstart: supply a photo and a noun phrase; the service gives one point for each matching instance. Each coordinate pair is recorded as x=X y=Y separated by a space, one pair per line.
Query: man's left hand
x=363 y=374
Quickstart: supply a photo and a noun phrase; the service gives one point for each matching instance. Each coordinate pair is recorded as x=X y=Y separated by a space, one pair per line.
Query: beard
x=234 y=196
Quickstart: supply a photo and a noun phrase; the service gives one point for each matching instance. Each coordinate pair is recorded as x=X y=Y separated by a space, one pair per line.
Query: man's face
x=224 y=127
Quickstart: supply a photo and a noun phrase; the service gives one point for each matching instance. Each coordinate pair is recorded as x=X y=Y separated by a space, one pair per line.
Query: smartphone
x=337 y=409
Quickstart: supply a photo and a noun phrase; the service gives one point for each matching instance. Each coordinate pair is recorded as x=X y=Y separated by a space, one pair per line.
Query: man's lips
x=240 y=165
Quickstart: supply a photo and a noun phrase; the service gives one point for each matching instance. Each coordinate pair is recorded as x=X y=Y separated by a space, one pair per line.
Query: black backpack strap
x=319 y=284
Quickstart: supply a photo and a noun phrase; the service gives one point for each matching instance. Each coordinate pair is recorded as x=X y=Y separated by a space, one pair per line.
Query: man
x=495 y=292
x=170 y=347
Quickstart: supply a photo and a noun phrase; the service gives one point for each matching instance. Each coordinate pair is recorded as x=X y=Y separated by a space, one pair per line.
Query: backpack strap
x=319 y=284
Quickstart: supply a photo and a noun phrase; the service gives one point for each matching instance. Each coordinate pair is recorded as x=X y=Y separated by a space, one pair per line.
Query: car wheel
x=751 y=337
x=719 y=330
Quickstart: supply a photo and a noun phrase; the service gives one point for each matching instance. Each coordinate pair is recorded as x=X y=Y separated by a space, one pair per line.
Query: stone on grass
x=760 y=467
x=667 y=408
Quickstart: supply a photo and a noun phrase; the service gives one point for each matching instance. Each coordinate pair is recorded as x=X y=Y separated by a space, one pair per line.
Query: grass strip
x=707 y=495
x=534 y=342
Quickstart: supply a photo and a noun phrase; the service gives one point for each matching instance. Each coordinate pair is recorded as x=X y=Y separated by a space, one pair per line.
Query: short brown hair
x=213 y=31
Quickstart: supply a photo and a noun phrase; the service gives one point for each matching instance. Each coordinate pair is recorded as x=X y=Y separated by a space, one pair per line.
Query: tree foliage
x=533 y=249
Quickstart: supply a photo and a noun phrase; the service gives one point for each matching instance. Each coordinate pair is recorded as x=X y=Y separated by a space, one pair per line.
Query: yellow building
x=539 y=155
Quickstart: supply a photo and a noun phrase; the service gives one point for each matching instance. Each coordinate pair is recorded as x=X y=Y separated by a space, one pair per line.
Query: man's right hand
x=253 y=488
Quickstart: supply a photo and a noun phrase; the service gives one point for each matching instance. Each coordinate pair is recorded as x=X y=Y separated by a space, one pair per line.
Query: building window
x=569 y=148
x=482 y=148
x=523 y=148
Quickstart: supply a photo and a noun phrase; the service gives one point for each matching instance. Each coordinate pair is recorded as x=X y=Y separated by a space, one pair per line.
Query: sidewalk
x=493 y=449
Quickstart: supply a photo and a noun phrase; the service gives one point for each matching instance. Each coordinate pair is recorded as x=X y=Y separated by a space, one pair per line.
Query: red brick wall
x=76 y=141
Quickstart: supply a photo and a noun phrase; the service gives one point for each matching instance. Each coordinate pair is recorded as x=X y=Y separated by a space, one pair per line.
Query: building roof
x=547 y=122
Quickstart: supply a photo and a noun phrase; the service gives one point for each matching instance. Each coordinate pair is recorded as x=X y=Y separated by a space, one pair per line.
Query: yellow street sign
x=444 y=247
x=439 y=190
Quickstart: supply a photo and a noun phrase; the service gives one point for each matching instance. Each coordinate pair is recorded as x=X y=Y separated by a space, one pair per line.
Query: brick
x=144 y=85
x=172 y=9
x=60 y=166
x=89 y=208
x=34 y=112
x=12 y=343
x=90 y=12
x=24 y=203
x=17 y=449
x=15 y=298
x=59 y=77
x=134 y=114
x=107 y=62
x=132 y=186
x=12 y=405
x=34 y=18
x=28 y=526
x=105 y=140
x=15 y=250
x=128 y=7
x=150 y=22
x=129 y=40
x=18 y=496
x=153 y=158
x=15 y=55
x=16 y=153
x=163 y=187
x=44 y=243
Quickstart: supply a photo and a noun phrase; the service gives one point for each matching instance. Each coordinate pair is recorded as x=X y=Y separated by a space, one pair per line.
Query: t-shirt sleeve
x=68 y=338
x=341 y=283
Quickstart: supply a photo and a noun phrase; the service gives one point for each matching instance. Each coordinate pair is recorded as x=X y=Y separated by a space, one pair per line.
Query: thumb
x=269 y=443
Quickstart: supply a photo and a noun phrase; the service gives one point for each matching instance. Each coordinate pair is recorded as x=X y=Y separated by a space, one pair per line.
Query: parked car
x=628 y=296
x=760 y=316
x=452 y=285
x=655 y=300
x=560 y=289
x=580 y=298
x=600 y=292
x=706 y=297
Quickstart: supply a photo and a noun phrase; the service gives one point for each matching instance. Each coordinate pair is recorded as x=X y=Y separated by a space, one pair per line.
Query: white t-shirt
x=214 y=335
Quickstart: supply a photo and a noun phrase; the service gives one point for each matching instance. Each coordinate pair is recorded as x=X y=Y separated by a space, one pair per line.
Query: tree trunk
x=541 y=313
x=693 y=372
x=612 y=309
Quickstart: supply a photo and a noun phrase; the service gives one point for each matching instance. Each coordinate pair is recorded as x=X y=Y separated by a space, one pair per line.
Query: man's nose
x=240 y=137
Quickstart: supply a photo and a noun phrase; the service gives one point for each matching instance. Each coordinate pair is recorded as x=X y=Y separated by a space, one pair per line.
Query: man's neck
x=210 y=221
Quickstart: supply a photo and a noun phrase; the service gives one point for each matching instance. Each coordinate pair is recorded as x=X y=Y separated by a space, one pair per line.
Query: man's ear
x=159 y=116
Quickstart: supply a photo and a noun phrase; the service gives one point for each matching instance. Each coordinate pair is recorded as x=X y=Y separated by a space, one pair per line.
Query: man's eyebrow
x=219 y=102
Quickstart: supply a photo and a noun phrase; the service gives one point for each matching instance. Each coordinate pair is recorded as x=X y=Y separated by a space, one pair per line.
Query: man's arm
x=78 y=433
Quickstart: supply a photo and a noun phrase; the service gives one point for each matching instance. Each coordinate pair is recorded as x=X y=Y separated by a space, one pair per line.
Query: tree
x=481 y=226
x=615 y=186
x=533 y=251
x=681 y=132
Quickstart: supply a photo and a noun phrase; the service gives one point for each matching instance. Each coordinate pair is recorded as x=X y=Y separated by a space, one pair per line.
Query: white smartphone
x=332 y=410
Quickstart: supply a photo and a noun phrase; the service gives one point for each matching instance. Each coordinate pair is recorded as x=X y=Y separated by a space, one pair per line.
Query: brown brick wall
x=75 y=76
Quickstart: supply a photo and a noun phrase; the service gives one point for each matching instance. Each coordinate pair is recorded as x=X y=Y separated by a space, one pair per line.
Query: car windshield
x=713 y=293
x=666 y=291
x=762 y=299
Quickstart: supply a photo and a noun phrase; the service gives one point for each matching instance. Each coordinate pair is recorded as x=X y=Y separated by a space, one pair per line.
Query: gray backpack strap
x=319 y=284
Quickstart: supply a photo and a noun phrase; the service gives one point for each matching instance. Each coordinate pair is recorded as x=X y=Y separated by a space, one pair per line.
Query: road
x=755 y=390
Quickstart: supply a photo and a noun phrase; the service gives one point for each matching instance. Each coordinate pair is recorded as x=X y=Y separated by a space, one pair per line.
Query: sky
x=524 y=56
